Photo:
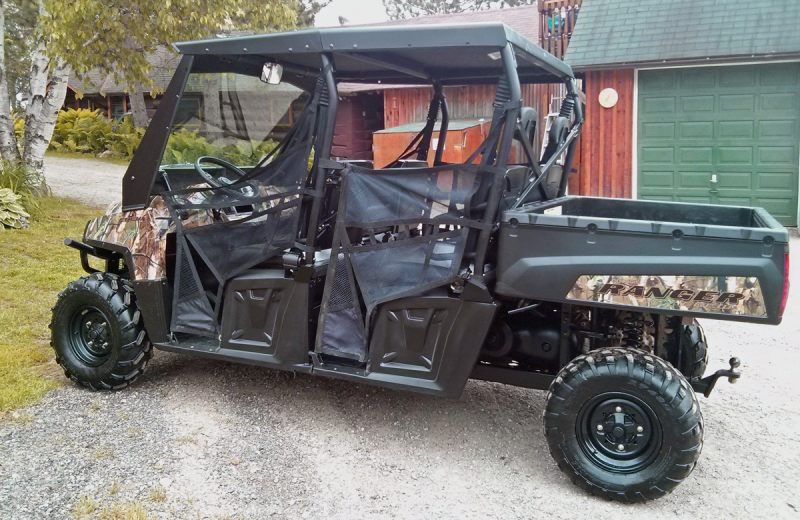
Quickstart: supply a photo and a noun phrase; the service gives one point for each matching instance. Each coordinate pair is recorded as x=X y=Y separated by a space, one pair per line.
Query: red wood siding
x=606 y=143
x=410 y=105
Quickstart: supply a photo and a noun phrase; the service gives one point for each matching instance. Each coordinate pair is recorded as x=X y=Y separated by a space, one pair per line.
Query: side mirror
x=271 y=73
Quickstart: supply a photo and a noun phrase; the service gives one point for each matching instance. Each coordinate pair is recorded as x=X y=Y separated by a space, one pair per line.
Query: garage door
x=721 y=135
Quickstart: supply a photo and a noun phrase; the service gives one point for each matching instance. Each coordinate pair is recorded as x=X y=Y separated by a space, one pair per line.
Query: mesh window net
x=236 y=190
x=399 y=232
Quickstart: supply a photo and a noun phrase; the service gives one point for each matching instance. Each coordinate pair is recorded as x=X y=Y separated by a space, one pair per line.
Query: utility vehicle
x=240 y=238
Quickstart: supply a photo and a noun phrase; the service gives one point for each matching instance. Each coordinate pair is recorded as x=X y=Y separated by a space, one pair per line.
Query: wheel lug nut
x=639 y=429
x=599 y=427
x=88 y=324
x=618 y=409
x=620 y=447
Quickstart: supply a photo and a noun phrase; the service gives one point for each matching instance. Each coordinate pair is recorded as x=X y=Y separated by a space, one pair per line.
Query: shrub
x=125 y=139
x=81 y=131
x=25 y=183
x=12 y=214
x=186 y=146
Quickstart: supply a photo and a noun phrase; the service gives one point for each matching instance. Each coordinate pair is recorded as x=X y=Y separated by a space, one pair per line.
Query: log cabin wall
x=604 y=160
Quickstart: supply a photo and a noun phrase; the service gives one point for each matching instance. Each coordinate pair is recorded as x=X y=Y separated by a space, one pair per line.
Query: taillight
x=785 y=284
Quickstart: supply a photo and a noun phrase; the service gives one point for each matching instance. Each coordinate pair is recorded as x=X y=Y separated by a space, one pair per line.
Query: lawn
x=34 y=266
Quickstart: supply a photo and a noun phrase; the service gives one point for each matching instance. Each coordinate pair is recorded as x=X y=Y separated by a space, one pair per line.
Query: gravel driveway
x=230 y=441
x=90 y=181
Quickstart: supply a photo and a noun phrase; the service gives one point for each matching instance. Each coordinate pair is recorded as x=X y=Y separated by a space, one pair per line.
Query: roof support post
x=326 y=125
x=511 y=112
x=141 y=174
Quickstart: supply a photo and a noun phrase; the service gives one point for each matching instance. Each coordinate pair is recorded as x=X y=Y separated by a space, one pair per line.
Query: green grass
x=34 y=266
x=70 y=155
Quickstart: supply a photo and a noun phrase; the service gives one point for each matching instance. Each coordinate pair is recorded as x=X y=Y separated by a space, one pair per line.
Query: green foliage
x=125 y=139
x=90 y=34
x=19 y=129
x=90 y=132
x=24 y=182
x=12 y=214
x=185 y=146
x=307 y=11
x=81 y=130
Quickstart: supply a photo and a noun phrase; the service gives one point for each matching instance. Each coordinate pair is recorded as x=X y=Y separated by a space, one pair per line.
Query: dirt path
x=231 y=441
x=90 y=181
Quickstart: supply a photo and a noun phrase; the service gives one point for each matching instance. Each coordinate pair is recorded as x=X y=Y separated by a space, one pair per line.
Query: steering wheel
x=247 y=189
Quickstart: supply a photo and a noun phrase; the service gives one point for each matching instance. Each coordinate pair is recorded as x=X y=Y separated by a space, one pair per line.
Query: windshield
x=232 y=117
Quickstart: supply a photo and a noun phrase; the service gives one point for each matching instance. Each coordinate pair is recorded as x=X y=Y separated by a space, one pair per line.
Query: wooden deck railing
x=556 y=22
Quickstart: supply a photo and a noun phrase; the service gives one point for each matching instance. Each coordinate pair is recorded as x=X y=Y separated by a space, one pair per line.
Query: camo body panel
x=712 y=294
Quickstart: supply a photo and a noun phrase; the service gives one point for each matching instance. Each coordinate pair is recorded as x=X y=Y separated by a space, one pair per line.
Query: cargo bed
x=702 y=260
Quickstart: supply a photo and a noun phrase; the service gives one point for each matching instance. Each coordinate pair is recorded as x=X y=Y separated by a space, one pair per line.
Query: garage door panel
x=775 y=181
x=696 y=155
x=659 y=80
x=694 y=180
x=691 y=104
x=778 y=101
x=694 y=200
x=659 y=105
x=658 y=179
x=744 y=77
x=780 y=76
x=702 y=79
x=735 y=181
x=778 y=207
x=658 y=130
x=736 y=129
x=739 y=123
x=697 y=130
x=737 y=102
x=735 y=201
x=773 y=128
x=742 y=155
x=658 y=155
x=776 y=154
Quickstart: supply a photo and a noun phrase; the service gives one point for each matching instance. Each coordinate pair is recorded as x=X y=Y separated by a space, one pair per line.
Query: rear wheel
x=623 y=424
x=98 y=334
x=686 y=348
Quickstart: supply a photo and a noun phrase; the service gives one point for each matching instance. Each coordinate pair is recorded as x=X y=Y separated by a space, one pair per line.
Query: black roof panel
x=453 y=53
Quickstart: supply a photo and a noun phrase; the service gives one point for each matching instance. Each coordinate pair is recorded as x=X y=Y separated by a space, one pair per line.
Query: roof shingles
x=616 y=32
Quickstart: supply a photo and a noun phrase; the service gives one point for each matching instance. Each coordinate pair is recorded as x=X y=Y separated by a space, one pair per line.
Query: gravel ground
x=93 y=182
x=230 y=441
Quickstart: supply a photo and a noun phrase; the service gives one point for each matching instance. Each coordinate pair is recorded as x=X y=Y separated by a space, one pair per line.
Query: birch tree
x=46 y=90
x=115 y=37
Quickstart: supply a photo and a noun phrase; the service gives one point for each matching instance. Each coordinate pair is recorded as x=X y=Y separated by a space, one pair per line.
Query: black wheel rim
x=89 y=336
x=619 y=432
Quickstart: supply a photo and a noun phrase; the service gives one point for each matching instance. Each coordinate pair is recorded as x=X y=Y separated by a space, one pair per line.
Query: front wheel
x=98 y=334
x=623 y=424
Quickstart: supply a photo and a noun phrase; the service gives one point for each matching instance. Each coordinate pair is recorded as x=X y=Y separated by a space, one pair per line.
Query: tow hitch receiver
x=706 y=384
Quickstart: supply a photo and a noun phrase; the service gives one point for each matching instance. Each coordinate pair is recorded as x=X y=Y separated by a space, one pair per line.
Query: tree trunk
x=8 y=140
x=138 y=107
x=47 y=94
x=212 y=114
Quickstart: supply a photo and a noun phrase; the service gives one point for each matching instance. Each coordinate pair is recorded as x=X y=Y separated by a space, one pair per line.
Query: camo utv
x=241 y=238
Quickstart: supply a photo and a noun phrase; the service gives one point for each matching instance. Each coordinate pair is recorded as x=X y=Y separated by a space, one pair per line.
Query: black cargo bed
x=640 y=216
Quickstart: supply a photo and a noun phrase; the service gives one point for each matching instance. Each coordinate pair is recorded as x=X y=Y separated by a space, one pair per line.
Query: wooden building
x=549 y=22
x=103 y=93
x=691 y=100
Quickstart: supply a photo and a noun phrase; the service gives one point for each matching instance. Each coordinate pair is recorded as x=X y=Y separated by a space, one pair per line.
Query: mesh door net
x=398 y=232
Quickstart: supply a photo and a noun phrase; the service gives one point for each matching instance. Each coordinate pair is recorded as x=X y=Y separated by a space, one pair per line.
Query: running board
x=209 y=348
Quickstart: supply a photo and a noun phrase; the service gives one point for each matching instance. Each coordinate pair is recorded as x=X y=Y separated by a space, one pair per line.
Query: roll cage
x=320 y=59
